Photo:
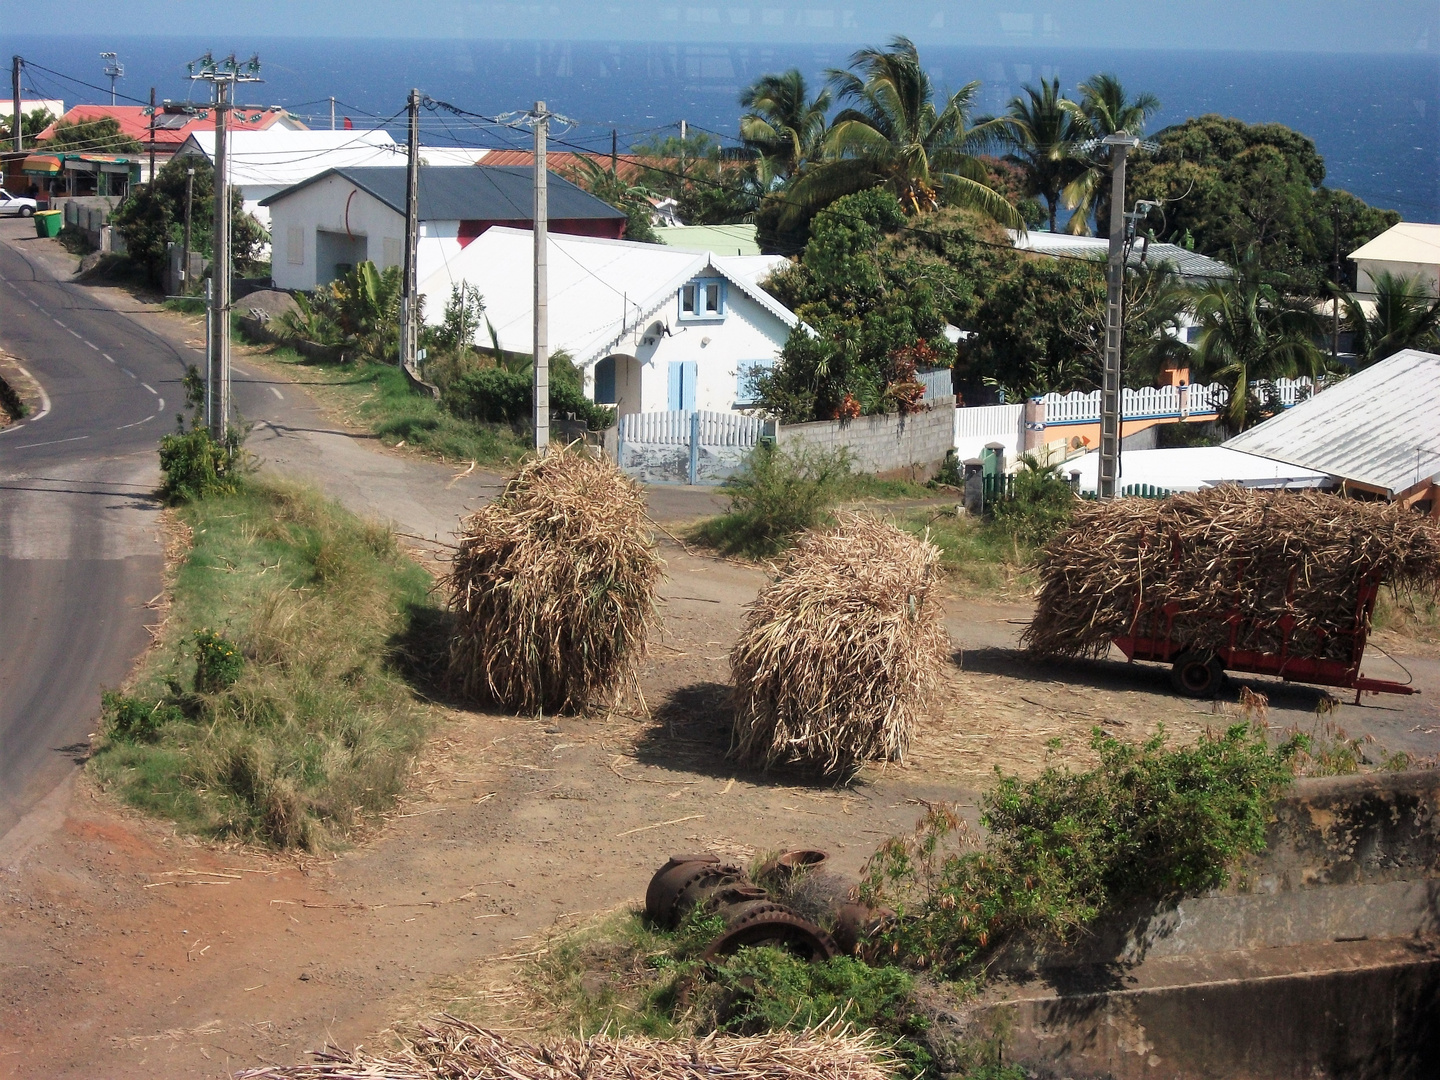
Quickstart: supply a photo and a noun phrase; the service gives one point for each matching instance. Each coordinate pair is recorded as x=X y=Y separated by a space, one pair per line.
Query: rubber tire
x=1197 y=675
x=25 y=211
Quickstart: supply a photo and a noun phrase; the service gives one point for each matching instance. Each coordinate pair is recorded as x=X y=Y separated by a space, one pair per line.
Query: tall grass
x=319 y=731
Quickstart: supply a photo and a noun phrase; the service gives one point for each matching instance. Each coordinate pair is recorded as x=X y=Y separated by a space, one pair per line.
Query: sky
x=1360 y=26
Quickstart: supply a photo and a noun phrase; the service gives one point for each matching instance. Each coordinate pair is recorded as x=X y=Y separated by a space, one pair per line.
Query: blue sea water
x=1374 y=117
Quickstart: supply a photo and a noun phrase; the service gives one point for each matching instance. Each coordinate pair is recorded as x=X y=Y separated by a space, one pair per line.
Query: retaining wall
x=912 y=446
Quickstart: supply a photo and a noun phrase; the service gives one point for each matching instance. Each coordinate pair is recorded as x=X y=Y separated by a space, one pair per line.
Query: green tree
x=783 y=124
x=31 y=124
x=1041 y=129
x=708 y=188
x=1105 y=109
x=1230 y=186
x=1250 y=334
x=892 y=135
x=633 y=200
x=102 y=136
x=1404 y=316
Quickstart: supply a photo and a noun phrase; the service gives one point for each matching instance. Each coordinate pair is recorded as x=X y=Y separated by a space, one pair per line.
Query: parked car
x=18 y=205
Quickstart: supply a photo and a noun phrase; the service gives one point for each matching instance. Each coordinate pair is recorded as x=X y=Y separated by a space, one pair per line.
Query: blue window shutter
x=677 y=378
x=687 y=399
x=605 y=381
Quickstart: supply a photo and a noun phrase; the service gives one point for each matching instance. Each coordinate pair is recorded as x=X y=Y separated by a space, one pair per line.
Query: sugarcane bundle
x=1278 y=567
x=839 y=652
x=448 y=1049
x=553 y=587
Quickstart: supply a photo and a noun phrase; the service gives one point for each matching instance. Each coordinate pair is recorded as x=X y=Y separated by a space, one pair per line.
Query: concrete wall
x=336 y=206
x=914 y=445
x=1367 y=270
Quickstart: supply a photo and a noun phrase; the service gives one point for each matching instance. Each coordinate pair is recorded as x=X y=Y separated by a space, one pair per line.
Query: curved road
x=79 y=553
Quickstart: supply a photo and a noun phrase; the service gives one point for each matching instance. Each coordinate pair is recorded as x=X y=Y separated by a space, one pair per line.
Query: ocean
x=1374 y=117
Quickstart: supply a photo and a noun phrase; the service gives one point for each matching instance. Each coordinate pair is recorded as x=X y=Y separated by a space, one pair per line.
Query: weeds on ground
x=376 y=397
x=776 y=495
x=977 y=554
x=1409 y=612
x=1149 y=822
x=270 y=711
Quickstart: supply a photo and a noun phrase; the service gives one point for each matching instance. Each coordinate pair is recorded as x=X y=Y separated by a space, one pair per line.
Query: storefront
x=67 y=175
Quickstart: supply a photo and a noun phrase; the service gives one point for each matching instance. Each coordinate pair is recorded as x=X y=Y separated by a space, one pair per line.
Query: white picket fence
x=682 y=447
x=1152 y=402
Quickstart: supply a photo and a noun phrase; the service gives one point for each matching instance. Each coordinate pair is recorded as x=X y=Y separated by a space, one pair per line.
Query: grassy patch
x=376 y=397
x=311 y=730
x=188 y=305
x=979 y=556
x=1410 y=613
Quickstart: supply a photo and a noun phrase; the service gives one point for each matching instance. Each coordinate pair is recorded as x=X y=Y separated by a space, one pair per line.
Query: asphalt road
x=79 y=552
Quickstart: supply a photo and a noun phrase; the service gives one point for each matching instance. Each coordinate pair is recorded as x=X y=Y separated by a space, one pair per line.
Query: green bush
x=1038 y=506
x=218 y=662
x=776 y=495
x=500 y=395
x=134 y=719
x=1066 y=847
x=196 y=466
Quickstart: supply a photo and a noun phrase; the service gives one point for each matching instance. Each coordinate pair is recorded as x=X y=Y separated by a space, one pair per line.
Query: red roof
x=171 y=128
x=567 y=163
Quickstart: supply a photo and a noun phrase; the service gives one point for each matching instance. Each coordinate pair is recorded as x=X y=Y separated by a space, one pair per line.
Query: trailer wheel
x=1197 y=675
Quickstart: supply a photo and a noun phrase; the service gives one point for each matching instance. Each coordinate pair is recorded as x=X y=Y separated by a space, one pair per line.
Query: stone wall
x=910 y=446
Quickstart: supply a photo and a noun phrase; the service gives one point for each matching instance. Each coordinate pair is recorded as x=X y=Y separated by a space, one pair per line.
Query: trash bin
x=49 y=222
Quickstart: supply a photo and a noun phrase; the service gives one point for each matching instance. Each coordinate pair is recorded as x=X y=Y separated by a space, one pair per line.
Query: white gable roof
x=1409 y=242
x=1379 y=427
x=278 y=157
x=598 y=289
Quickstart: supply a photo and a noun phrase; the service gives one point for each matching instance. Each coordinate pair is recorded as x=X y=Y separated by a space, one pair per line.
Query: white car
x=16 y=204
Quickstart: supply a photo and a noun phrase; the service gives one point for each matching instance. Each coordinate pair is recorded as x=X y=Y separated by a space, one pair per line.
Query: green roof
x=721 y=239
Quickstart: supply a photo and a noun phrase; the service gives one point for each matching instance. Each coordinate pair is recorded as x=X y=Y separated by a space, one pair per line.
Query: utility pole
x=682 y=147
x=185 y=251
x=1335 y=276
x=223 y=75
x=541 y=355
x=614 y=152
x=1120 y=145
x=332 y=112
x=17 y=131
x=152 y=136
x=409 y=323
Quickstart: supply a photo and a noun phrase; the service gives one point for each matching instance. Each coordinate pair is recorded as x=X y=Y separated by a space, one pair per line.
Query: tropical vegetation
x=1401 y=315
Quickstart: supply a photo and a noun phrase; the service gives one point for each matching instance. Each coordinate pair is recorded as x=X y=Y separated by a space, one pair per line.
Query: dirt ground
x=129 y=951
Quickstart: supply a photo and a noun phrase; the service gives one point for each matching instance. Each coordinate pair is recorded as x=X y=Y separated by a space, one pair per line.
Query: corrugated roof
x=1409 y=241
x=134 y=120
x=568 y=163
x=1380 y=427
x=721 y=239
x=1191 y=468
x=277 y=156
x=1188 y=264
x=482 y=193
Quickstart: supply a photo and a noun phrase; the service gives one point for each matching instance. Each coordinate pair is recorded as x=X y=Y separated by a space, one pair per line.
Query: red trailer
x=1197 y=673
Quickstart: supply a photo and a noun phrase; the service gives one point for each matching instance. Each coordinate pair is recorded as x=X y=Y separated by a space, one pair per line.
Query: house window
x=702 y=300
x=295 y=246
x=605 y=381
x=747 y=376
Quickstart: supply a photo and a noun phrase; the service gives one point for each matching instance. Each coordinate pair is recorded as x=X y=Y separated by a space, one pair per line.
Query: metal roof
x=1409 y=241
x=277 y=157
x=1188 y=264
x=481 y=193
x=721 y=239
x=1191 y=468
x=1380 y=427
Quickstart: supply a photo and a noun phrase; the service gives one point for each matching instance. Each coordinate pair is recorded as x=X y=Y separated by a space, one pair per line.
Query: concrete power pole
x=332 y=113
x=1110 y=387
x=152 y=136
x=409 y=314
x=16 y=132
x=223 y=75
x=220 y=273
x=541 y=356
x=185 y=250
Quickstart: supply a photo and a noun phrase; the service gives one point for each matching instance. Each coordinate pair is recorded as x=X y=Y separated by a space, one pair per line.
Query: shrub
x=499 y=395
x=776 y=495
x=196 y=466
x=1064 y=848
x=1038 y=506
x=134 y=719
x=218 y=662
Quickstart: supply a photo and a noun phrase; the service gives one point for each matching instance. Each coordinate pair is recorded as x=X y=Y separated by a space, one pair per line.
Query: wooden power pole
x=541 y=354
x=17 y=131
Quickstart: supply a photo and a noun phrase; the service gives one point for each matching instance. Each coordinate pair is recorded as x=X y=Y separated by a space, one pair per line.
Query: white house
x=1409 y=250
x=326 y=224
x=651 y=327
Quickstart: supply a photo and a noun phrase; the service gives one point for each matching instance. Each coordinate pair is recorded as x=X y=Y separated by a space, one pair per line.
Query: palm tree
x=1405 y=317
x=784 y=125
x=892 y=135
x=1041 y=129
x=1104 y=109
x=1251 y=334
